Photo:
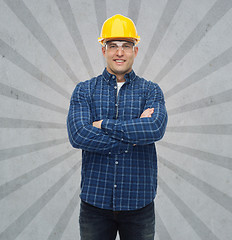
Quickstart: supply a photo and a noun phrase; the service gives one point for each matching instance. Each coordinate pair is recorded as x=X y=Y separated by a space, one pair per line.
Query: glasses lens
x=113 y=47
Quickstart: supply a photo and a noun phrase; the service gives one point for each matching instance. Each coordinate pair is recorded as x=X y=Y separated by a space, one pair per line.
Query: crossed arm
x=115 y=136
x=147 y=113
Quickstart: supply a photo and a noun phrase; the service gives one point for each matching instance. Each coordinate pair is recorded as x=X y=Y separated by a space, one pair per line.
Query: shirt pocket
x=103 y=105
x=134 y=105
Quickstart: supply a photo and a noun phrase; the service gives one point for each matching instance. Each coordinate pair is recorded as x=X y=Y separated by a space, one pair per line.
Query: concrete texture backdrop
x=48 y=46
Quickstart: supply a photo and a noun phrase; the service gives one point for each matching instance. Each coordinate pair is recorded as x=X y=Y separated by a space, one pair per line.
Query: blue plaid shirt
x=119 y=163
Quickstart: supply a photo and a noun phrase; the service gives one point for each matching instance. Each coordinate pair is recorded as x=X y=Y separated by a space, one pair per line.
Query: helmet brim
x=134 y=40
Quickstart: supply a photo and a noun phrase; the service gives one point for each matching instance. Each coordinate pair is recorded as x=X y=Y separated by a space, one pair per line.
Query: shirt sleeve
x=141 y=131
x=81 y=132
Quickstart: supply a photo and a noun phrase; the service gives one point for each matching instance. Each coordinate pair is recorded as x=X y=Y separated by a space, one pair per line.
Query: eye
x=127 y=46
x=112 y=46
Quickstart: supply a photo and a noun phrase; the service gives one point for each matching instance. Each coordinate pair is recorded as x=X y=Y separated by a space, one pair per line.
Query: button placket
x=115 y=185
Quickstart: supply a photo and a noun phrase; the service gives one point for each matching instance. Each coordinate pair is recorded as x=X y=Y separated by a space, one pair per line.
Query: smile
x=119 y=61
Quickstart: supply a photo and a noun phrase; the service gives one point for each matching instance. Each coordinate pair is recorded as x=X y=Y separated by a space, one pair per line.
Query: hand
x=147 y=113
x=97 y=124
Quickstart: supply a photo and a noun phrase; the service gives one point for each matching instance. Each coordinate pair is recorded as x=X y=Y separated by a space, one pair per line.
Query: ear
x=136 y=49
x=104 y=51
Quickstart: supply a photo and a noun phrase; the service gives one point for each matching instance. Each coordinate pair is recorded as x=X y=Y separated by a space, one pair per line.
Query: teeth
x=119 y=60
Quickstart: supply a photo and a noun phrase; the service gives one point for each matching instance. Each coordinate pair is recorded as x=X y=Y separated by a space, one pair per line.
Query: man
x=115 y=119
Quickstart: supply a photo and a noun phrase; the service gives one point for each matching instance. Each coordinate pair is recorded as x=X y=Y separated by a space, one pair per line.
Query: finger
x=148 y=110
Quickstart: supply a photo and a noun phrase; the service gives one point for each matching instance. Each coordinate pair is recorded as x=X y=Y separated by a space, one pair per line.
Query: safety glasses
x=113 y=46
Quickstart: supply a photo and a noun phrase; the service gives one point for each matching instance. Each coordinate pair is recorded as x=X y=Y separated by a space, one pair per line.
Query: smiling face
x=119 y=57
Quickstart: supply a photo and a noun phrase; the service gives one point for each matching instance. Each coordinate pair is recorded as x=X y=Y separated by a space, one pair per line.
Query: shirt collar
x=108 y=77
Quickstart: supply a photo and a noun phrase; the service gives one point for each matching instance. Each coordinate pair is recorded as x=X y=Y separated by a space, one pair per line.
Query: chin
x=122 y=71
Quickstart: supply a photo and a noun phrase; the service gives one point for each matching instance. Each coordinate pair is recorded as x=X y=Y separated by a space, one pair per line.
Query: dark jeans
x=100 y=224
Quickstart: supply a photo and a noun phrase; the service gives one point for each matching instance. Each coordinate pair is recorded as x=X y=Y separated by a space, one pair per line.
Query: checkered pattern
x=119 y=163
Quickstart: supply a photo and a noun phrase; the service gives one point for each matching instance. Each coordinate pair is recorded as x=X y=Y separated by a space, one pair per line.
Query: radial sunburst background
x=48 y=46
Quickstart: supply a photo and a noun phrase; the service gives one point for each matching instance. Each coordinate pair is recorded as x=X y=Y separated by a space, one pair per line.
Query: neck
x=120 y=78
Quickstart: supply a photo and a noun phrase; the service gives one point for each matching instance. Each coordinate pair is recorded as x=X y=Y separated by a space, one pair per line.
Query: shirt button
x=115 y=87
x=116 y=104
x=109 y=152
x=113 y=77
x=126 y=151
x=116 y=162
x=122 y=139
x=115 y=186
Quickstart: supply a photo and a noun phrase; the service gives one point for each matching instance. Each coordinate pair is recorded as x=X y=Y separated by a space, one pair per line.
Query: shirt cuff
x=110 y=127
x=107 y=126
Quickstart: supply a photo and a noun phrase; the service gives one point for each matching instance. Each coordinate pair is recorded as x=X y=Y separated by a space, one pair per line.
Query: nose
x=120 y=51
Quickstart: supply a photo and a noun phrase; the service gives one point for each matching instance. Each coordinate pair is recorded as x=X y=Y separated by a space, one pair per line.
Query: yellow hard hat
x=118 y=26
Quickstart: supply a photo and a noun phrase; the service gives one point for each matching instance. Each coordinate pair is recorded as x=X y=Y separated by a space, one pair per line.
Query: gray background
x=48 y=46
